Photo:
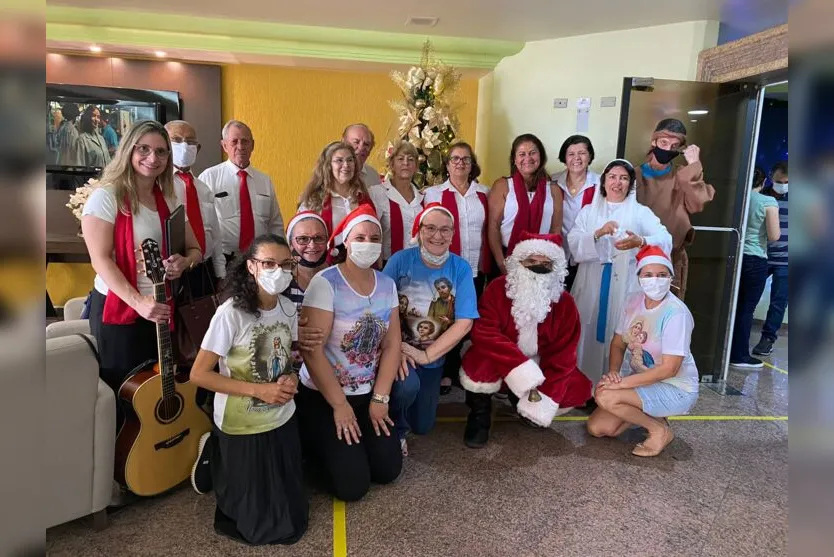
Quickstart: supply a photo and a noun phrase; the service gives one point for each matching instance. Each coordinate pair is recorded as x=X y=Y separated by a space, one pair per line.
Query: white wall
x=523 y=86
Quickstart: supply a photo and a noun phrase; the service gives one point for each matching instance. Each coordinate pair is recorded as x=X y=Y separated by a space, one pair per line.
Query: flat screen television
x=85 y=124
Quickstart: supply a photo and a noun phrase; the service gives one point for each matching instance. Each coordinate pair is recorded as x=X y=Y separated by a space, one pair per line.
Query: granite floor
x=719 y=489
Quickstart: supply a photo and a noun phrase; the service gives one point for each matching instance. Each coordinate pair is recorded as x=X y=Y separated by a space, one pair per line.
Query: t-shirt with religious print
x=430 y=300
x=255 y=350
x=359 y=325
x=666 y=329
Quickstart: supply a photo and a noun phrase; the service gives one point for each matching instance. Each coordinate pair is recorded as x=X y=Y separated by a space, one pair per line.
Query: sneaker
x=764 y=348
x=201 y=471
x=748 y=363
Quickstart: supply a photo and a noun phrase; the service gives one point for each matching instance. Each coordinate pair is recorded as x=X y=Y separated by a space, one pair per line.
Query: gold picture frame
x=747 y=57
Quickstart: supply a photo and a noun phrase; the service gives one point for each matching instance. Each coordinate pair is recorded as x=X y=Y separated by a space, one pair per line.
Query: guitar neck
x=164 y=346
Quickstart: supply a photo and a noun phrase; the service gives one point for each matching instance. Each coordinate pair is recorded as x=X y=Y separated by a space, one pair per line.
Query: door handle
x=717 y=229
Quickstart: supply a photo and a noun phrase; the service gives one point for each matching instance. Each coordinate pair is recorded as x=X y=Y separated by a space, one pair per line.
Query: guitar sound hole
x=169 y=409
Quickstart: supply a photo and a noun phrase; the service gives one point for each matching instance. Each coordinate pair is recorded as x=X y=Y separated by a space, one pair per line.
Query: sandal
x=642 y=450
x=404 y=447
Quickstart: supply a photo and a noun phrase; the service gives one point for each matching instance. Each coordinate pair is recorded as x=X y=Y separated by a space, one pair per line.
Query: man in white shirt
x=198 y=198
x=236 y=184
x=361 y=138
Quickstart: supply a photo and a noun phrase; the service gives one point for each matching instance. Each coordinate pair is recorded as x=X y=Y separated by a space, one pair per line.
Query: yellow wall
x=522 y=87
x=295 y=112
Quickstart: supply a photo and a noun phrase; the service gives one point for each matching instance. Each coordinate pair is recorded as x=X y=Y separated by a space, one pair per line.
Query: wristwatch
x=381 y=399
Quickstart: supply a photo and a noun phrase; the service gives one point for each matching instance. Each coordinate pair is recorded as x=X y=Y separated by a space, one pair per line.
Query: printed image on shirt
x=264 y=360
x=637 y=336
x=426 y=311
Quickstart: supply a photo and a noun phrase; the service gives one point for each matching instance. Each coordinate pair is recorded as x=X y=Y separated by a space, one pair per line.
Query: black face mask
x=310 y=265
x=663 y=156
x=540 y=269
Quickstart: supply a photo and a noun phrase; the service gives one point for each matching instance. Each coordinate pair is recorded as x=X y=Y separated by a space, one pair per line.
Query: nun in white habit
x=604 y=242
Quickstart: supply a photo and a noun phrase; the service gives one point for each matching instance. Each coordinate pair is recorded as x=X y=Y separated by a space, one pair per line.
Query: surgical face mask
x=540 y=269
x=656 y=288
x=779 y=188
x=364 y=254
x=183 y=154
x=663 y=156
x=310 y=264
x=432 y=259
x=274 y=281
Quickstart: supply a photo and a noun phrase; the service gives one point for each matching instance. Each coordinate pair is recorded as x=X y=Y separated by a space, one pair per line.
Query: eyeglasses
x=445 y=231
x=341 y=161
x=181 y=140
x=270 y=264
x=146 y=150
x=305 y=240
x=458 y=160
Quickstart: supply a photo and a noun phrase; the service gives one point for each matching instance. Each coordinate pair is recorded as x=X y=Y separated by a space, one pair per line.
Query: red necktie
x=192 y=209
x=247 y=221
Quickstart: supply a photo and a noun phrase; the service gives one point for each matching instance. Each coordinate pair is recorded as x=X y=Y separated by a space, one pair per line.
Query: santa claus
x=526 y=339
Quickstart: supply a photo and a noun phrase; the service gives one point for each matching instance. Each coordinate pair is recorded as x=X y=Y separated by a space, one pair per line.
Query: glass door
x=721 y=119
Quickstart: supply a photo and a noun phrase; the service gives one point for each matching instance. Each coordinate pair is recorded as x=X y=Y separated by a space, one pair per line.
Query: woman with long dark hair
x=255 y=453
x=91 y=148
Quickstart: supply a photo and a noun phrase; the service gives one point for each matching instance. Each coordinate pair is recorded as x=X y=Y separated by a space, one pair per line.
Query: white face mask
x=432 y=259
x=274 y=281
x=364 y=254
x=183 y=154
x=781 y=189
x=656 y=288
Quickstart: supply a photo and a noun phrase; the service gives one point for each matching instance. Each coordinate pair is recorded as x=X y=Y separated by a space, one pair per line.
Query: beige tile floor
x=719 y=489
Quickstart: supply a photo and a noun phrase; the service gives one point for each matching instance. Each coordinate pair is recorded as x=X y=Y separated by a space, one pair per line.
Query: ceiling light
x=95 y=48
x=160 y=54
x=422 y=21
x=698 y=112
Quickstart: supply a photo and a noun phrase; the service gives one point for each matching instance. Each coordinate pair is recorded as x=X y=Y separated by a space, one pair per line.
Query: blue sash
x=604 y=291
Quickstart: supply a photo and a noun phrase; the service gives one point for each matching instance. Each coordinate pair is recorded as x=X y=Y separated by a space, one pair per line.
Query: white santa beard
x=532 y=297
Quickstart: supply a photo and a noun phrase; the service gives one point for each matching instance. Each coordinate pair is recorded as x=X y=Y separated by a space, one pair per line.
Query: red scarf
x=588 y=196
x=529 y=216
x=397 y=226
x=327 y=210
x=116 y=311
x=449 y=202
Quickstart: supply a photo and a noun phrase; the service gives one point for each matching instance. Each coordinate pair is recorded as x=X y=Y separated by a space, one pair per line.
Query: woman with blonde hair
x=336 y=187
x=403 y=200
x=135 y=197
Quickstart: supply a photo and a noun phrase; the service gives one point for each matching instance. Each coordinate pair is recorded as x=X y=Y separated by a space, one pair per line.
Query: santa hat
x=548 y=245
x=363 y=213
x=303 y=215
x=649 y=255
x=415 y=228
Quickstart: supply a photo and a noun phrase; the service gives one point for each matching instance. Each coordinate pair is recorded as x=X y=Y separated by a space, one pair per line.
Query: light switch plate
x=608 y=101
x=560 y=103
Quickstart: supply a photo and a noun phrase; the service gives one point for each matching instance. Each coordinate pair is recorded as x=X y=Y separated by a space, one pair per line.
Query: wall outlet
x=608 y=101
x=560 y=103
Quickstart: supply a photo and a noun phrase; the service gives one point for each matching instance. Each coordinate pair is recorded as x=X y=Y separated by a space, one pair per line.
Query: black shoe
x=748 y=363
x=475 y=436
x=764 y=348
x=201 y=471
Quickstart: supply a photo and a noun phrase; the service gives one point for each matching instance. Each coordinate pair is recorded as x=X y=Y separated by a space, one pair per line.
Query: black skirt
x=259 y=486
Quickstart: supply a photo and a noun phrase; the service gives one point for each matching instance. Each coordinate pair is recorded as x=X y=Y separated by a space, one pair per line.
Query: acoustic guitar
x=157 y=445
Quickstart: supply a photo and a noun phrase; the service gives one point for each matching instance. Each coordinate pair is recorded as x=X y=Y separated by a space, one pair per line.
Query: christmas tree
x=427 y=116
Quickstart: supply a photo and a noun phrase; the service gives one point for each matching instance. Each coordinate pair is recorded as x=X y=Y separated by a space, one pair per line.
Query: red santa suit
x=521 y=340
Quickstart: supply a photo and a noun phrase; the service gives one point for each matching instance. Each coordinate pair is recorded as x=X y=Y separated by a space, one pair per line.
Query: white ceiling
x=517 y=20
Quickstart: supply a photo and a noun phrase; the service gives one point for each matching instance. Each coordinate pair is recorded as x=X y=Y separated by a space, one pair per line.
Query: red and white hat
x=303 y=215
x=363 y=213
x=415 y=228
x=649 y=255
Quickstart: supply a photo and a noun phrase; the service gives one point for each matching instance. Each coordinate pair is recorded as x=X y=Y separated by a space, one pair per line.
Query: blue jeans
x=778 y=301
x=414 y=400
x=750 y=288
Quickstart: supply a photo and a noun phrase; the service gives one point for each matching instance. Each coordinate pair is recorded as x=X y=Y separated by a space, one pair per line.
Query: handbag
x=192 y=319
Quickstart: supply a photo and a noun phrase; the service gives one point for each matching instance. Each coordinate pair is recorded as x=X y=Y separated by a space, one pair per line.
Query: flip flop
x=642 y=450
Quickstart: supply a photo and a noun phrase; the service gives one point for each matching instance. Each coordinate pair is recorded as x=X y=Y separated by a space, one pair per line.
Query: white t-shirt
x=666 y=329
x=359 y=325
x=102 y=204
x=255 y=350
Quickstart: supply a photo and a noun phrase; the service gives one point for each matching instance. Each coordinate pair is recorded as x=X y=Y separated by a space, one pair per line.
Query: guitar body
x=157 y=445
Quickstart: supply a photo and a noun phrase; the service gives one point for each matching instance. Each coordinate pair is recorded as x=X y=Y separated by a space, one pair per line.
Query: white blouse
x=511 y=211
x=572 y=204
x=409 y=212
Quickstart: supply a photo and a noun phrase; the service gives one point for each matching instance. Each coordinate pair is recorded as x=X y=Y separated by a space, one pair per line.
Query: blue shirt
x=755 y=240
x=430 y=300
